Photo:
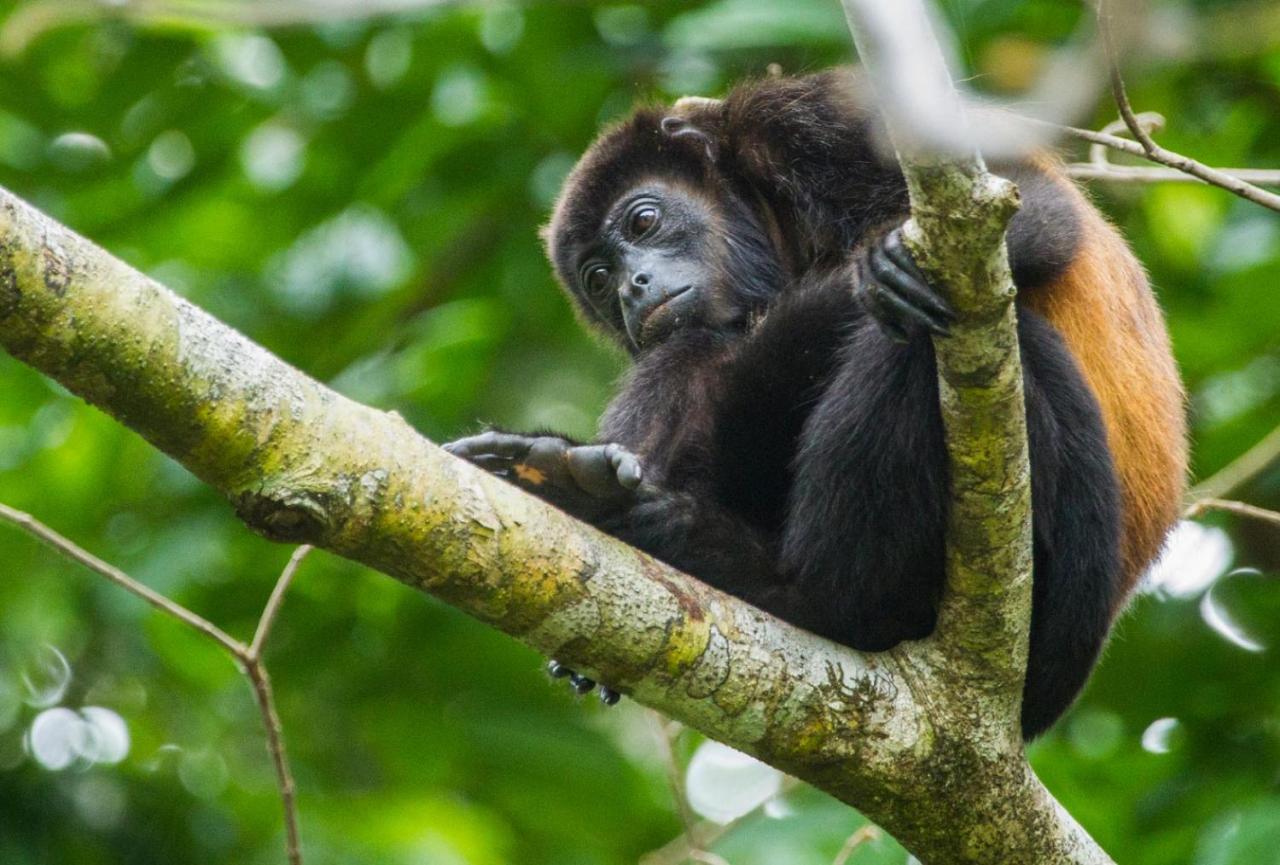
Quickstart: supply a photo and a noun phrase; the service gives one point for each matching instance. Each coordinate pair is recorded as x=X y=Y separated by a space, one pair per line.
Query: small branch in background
x=706 y=832
x=1173 y=170
x=864 y=835
x=1100 y=166
x=277 y=598
x=248 y=657
x=1147 y=146
x=1241 y=470
x=39 y=530
x=1238 y=508
x=665 y=736
x=707 y=858
x=260 y=680
x=1139 y=174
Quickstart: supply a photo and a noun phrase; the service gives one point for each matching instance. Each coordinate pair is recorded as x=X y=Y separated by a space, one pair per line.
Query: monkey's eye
x=642 y=220
x=596 y=278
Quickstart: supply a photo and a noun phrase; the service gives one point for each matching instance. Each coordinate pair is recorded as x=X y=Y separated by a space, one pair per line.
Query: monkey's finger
x=592 y=470
x=916 y=317
x=896 y=248
x=580 y=683
x=493 y=443
x=914 y=300
x=608 y=696
x=492 y=464
x=873 y=296
x=913 y=279
x=626 y=466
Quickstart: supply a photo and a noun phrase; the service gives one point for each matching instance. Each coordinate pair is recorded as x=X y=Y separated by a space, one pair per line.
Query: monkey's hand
x=897 y=294
x=590 y=482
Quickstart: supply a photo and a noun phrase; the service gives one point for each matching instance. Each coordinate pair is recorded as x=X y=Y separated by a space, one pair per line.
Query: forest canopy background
x=362 y=197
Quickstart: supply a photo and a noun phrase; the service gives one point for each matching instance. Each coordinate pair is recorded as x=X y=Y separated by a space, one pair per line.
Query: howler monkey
x=779 y=435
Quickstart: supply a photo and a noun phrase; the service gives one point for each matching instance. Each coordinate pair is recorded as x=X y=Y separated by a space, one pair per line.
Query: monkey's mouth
x=662 y=319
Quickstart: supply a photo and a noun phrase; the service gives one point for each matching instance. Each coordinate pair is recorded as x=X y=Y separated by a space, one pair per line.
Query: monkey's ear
x=695 y=117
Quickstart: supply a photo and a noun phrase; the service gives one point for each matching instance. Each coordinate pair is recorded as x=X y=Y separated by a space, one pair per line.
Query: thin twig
x=674 y=779
x=864 y=835
x=277 y=598
x=70 y=549
x=1228 y=179
x=1239 y=508
x=1147 y=145
x=705 y=833
x=1152 y=122
x=1141 y=174
x=1241 y=470
x=706 y=857
x=261 y=682
x=248 y=656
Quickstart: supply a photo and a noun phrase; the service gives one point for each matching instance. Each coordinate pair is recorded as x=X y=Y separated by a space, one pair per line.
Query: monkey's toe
x=582 y=684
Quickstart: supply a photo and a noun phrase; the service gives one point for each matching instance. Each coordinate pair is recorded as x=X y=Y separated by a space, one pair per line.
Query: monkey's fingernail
x=608 y=696
x=580 y=683
x=629 y=475
x=557 y=670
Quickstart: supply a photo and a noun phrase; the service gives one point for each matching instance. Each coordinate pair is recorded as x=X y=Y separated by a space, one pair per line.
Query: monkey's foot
x=581 y=684
x=898 y=295
x=584 y=480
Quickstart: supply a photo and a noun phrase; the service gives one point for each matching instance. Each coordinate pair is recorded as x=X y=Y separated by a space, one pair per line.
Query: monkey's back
x=1103 y=306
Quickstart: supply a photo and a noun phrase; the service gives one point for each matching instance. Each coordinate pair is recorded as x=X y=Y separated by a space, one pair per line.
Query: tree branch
x=1240 y=509
x=1140 y=174
x=1241 y=470
x=199 y=624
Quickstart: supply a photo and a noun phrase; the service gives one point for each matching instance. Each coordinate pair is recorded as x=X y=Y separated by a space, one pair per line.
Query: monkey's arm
x=602 y=484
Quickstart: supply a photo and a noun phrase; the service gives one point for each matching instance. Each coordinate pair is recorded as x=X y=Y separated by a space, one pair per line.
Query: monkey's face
x=656 y=264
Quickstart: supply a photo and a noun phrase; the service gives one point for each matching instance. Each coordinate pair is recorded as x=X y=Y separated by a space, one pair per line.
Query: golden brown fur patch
x=1104 y=308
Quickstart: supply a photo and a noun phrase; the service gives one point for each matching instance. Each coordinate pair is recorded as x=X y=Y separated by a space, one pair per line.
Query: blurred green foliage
x=362 y=196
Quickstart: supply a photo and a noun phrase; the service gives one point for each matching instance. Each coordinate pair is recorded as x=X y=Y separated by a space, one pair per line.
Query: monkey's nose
x=636 y=288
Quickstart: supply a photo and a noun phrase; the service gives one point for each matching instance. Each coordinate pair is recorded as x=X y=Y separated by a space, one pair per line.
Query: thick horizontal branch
x=301 y=463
